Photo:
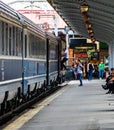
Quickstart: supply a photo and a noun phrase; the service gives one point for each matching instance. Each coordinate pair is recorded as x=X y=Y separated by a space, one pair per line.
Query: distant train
x=29 y=59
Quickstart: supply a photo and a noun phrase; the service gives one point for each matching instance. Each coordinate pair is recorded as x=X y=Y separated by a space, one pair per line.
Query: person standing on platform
x=79 y=72
x=101 y=70
x=90 y=69
x=65 y=58
x=75 y=70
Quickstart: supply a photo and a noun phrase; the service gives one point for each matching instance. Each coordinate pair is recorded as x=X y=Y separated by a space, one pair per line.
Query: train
x=29 y=59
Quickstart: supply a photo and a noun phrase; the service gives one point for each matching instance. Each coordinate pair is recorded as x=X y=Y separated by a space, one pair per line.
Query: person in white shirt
x=79 y=71
x=65 y=58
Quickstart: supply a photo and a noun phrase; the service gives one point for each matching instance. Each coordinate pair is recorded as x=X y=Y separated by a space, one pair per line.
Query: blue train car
x=28 y=58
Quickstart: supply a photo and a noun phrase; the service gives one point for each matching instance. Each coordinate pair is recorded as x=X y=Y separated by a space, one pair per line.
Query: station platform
x=71 y=108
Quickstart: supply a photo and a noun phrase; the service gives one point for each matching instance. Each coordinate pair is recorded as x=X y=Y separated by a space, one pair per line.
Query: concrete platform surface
x=71 y=108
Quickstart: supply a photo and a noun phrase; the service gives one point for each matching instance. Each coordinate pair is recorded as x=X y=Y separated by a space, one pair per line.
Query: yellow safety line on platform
x=19 y=122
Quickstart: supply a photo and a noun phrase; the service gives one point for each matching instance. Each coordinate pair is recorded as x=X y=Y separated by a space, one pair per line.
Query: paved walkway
x=74 y=108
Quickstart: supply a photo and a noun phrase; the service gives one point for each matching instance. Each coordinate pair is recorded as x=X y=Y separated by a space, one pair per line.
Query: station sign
x=81 y=55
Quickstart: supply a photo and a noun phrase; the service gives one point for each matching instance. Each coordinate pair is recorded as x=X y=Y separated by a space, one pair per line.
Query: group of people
x=80 y=68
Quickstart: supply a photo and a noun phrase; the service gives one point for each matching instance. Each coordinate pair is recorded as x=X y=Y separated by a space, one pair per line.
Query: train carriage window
x=25 y=38
x=31 y=45
x=53 y=50
x=14 y=41
x=6 y=47
x=18 y=42
x=41 y=47
x=3 y=33
x=10 y=38
x=37 y=47
x=2 y=38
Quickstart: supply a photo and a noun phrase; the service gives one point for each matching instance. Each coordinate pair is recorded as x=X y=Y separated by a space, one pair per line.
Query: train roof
x=8 y=12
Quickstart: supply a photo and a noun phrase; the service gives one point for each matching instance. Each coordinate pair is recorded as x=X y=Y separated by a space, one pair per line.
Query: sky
x=6 y=1
x=28 y=5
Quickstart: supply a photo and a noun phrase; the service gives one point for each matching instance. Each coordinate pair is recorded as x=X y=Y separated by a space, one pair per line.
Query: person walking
x=79 y=72
x=101 y=70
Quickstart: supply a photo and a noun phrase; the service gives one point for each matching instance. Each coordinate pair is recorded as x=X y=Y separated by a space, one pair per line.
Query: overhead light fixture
x=90 y=31
x=84 y=8
x=88 y=25
x=86 y=18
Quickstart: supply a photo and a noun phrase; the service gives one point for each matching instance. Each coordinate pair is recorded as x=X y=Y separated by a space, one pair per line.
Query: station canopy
x=92 y=19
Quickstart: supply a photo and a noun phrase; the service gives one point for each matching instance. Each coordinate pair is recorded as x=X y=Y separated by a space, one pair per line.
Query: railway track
x=15 y=112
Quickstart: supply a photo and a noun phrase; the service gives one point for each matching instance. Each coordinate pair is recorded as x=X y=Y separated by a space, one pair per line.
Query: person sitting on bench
x=109 y=82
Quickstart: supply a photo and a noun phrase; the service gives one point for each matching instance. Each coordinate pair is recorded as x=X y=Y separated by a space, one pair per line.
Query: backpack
x=90 y=67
